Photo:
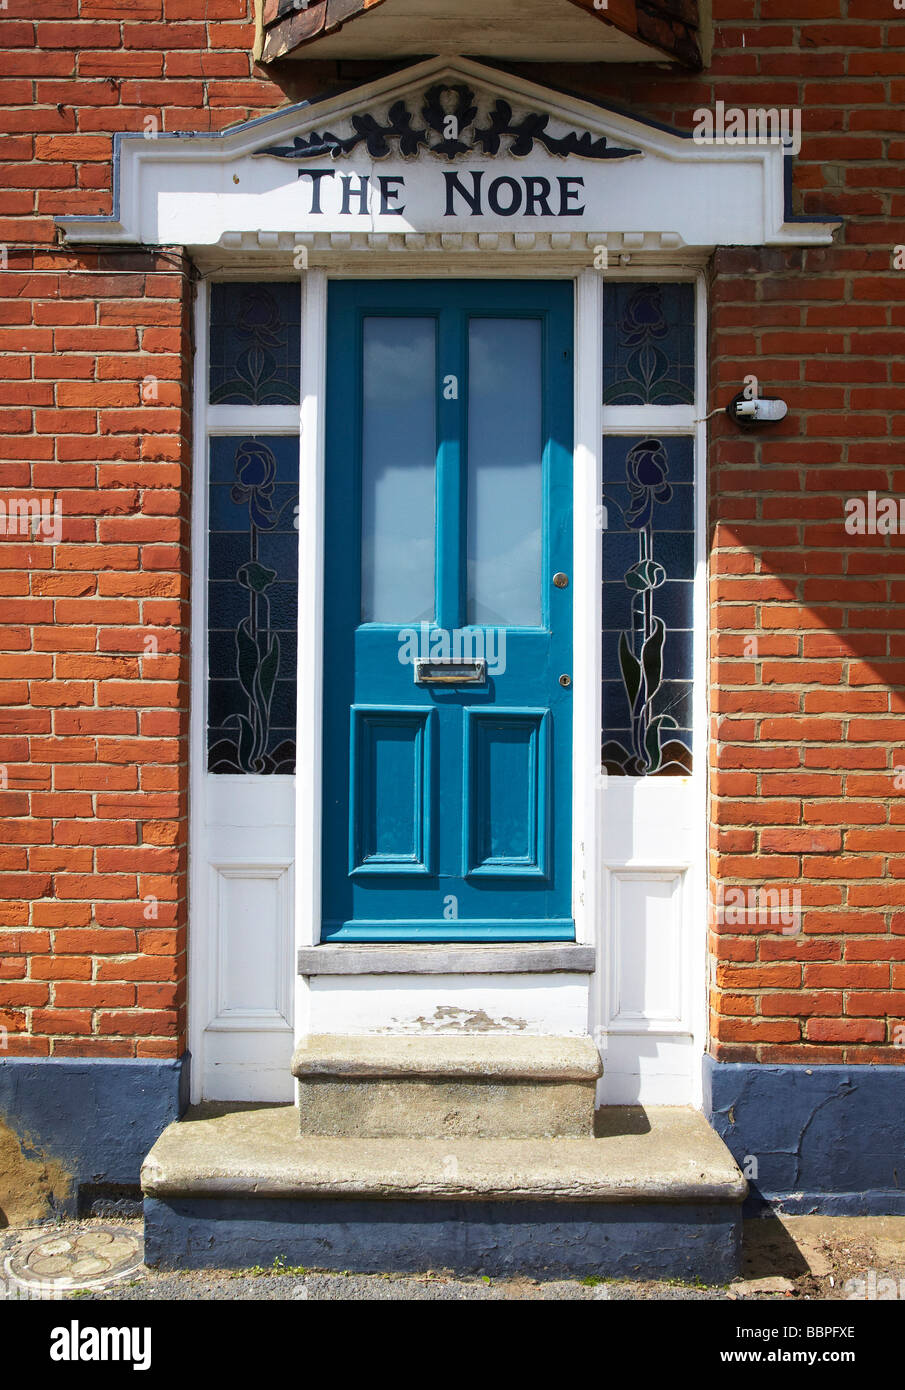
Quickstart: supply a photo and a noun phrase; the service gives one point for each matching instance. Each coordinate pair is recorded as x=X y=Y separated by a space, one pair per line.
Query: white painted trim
x=198 y=925
x=309 y=730
x=699 y=975
x=648 y=419
x=586 y=597
x=240 y=419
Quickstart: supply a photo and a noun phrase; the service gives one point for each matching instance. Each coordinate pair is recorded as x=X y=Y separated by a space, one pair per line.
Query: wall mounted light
x=748 y=411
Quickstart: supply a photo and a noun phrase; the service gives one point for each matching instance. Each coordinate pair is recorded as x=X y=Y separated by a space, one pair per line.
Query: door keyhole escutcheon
x=561 y=581
x=565 y=681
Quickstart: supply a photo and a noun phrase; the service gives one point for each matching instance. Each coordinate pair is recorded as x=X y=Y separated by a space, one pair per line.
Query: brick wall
x=93 y=651
x=806 y=723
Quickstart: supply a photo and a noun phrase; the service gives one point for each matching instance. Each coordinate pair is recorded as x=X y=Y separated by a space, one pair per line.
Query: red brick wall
x=93 y=653
x=93 y=730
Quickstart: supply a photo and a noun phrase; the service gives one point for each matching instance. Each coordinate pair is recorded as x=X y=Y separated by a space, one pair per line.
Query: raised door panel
x=392 y=791
x=507 y=800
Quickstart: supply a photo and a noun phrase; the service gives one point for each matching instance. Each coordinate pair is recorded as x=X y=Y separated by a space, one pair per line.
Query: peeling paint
x=448 y=1018
x=69 y=1124
x=32 y=1185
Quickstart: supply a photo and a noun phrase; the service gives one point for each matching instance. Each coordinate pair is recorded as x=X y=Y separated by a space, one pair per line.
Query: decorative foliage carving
x=448 y=128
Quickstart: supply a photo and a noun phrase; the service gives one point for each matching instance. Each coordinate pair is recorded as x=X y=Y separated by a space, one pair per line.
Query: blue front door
x=448 y=612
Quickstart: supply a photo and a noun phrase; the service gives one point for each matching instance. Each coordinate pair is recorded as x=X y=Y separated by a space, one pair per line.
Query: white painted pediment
x=454 y=156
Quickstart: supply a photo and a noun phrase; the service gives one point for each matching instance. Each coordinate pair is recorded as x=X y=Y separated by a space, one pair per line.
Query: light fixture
x=748 y=411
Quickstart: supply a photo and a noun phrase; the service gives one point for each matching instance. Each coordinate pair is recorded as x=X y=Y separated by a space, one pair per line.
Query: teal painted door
x=448 y=612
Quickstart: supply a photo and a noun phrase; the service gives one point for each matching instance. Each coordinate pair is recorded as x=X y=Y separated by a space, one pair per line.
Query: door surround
x=590 y=875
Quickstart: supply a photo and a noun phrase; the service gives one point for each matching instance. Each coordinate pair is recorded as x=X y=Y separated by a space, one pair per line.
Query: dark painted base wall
x=825 y=1139
x=669 y=1240
x=96 y=1118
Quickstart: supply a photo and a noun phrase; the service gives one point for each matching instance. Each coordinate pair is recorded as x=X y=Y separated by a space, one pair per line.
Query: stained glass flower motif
x=252 y=604
x=648 y=573
x=648 y=343
x=255 y=343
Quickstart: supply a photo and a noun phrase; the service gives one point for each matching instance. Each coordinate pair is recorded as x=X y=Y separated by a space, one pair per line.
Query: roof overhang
x=616 y=31
x=447 y=156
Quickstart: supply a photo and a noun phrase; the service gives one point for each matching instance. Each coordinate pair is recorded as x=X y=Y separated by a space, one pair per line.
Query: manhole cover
x=82 y=1260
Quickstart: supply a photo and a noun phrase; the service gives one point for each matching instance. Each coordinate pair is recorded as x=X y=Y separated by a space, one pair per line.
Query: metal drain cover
x=81 y=1260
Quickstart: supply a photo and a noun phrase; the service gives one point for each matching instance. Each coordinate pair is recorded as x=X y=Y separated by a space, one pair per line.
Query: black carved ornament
x=445 y=131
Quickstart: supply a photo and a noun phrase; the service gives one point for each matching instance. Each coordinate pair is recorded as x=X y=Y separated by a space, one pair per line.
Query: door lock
x=565 y=681
x=561 y=581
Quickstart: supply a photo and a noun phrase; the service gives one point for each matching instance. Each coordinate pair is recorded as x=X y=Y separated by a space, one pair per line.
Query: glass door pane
x=398 y=464
x=505 y=472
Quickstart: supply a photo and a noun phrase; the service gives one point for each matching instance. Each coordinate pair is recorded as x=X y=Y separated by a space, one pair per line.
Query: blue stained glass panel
x=252 y=604
x=255 y=342
x=648 y=343
x=648 y=586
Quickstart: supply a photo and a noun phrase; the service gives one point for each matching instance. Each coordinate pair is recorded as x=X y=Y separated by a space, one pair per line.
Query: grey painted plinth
x=827 y=1139
x=654 y=1240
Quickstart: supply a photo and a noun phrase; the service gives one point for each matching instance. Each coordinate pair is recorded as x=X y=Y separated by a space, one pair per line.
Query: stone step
x=479 y=1086
x=656 y=1193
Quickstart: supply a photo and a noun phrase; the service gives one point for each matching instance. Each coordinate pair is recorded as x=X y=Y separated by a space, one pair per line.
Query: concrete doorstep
x=654 y=1194
x=472 y=1086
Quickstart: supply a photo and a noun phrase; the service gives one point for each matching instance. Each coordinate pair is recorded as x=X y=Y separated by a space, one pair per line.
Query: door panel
x=391 y=791
x=447 y=731
x=507 y=802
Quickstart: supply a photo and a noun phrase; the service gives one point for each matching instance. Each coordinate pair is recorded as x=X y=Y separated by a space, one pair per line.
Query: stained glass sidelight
x=648 y=343
x=252 y=603
x=648 y=580
x=255 y=342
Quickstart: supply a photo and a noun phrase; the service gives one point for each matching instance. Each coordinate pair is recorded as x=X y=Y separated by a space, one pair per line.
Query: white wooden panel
x=251 y=906
x=248 y=981
x=235 y=1071
x=646 y=949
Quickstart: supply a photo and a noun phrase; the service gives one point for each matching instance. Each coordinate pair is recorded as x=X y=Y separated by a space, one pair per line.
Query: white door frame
x=588 y=895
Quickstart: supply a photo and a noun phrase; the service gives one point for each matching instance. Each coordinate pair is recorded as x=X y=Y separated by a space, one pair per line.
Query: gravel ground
x=789 y=1258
